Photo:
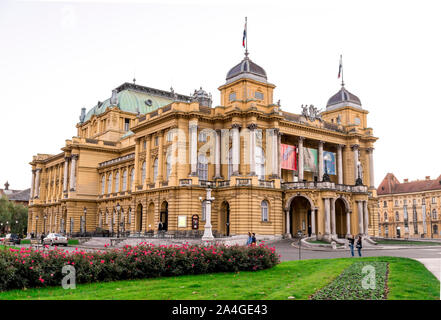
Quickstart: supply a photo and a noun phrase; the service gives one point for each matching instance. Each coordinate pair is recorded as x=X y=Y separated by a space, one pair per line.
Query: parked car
x=11 y=238
x=55 y=238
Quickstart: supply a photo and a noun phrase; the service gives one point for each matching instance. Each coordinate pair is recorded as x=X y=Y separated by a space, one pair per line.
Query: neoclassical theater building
x=144 y=158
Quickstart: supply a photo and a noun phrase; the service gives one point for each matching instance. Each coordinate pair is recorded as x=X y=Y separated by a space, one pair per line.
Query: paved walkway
x=433 y=265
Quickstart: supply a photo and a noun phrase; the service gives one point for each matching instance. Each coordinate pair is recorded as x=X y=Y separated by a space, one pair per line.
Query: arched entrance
x=300 y=216
x=224 y=223
x=138 y=220
x=164 y=215
x=151 y=217
x=341 y=226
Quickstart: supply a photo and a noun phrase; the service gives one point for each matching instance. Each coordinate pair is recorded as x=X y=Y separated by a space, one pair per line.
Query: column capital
x=218 y=130
x=38 y=170
x=252 y=126
x=301 y=139
x=236 y=126
x=370 y=149
x=341 y=146
x=355 y=147
x=276 y=130
x=74 y=156
x=321 y=142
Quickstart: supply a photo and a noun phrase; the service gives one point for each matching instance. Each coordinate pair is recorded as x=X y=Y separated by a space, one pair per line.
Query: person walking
x=42 y=238
x=359 y=246
x=253 y=240
x=250 y=239
x=351 y=244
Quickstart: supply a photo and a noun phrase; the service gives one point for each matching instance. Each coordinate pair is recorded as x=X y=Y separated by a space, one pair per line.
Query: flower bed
x=26 y=268
x=349 y=284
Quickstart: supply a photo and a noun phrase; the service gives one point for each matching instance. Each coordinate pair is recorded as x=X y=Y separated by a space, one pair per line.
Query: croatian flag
x=340 y=68
x=244 y=35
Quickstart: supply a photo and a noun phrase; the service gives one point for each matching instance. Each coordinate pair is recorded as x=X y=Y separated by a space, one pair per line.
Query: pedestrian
x=359 y=246
x=351 y=244
x=253 y=239
x=42 y=238
x=160 y=226
x=250 y=239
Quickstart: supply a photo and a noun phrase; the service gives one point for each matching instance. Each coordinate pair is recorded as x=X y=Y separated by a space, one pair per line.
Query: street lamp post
x=85 y=220
x=300 y=235
x=118 y=208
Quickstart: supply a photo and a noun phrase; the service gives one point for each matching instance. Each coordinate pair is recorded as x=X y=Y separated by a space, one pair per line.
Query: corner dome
x=343 y=98
x=246 y=69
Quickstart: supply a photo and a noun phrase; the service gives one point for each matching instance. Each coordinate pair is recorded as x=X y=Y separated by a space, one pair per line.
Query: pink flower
x=42 y=280
x=91 y=262
x=31 y=268
x=102 y=261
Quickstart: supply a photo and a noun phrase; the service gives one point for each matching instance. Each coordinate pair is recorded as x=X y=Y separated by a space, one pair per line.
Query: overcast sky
x=59 y=56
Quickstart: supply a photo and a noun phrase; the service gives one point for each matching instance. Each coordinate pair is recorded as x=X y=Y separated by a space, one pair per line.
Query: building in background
x=143 y=159
x=16 y=196
x=410 y=209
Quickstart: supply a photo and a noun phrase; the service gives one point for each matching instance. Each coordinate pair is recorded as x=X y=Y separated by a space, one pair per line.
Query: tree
x=13 y=217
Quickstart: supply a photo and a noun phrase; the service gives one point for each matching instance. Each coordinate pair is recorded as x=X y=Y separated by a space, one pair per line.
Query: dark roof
x=246 y=66
x=343 y=95
x=20 y=196
x=391 y=185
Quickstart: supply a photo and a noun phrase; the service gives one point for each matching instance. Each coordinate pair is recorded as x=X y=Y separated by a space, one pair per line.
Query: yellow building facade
x=144 y=159
x=410 y=209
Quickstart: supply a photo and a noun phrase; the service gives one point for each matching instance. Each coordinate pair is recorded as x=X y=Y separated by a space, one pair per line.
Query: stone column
x=161 y=156
x=355 y=150
x=313 y=211
x=66 y=165
x=320 y=161
x=279 y=154
x=327 y=218
x=73 y=167
x=193 y=128
x=348 y=222
x=252 y=127
x=32 y=185
x=288 y=222
x=148 y=159
x=208 y=234
x=217 y=158
x=366 y=218
x=371 y=167
x=275 y=151
x=333 y=230
x=360 y=217
x=340 y=163
x=235 y=157
x=137 y=167
x=301 y=159
x=37 y=184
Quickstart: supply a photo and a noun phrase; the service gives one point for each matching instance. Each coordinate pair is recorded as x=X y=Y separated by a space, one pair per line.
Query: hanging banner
x=329 y=162
x=310 y=161
x=288 y=157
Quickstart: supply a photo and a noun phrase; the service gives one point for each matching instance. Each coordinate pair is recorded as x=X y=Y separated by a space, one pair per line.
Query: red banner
x=288 y=157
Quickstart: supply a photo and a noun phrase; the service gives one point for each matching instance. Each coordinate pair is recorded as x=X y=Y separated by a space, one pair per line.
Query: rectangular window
x=258 y=95
x=384 y=204
x=126 y=124
x=433 y=200
x=202 y=136
x=232 y=96
x=156 y=141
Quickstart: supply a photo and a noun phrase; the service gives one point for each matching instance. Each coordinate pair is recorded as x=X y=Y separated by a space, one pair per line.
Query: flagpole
x=341 y=61
x=246 y=37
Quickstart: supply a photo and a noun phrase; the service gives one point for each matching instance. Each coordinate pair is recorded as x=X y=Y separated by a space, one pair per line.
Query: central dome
x=246 y=69
x=343 y=98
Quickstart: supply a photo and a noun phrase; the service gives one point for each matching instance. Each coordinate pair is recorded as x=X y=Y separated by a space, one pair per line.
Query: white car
x=55 y=238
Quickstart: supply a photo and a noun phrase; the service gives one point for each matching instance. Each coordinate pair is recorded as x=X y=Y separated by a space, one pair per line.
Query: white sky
x=59 y=56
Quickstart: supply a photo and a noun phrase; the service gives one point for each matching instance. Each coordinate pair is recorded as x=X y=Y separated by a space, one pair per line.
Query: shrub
x=26 y=268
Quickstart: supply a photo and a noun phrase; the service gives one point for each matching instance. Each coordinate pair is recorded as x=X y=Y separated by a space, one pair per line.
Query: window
x=202 y=167
x=435 y=229
x=170 y=136
x=384 y=204
x=143 y=173
x=396 y=203
x=232 y=96
x=414 y=202
x=260 y=163
x=230 y=163
x=169 y=166
x=132 y=177
x=130 y=216
x=434 y=214
x=397 y=216
x=385 y=216
x=109 y=184
x=423 y=201
x=126 y=124
x=433 y=200
x=258 y=95
x=117 y=182
x=103 y=183
x=203 y=136
x=156 y=141
x=124 y=186
x=204 y=207
x=155 y=169
x=264 y=210
x=386 y=230
x=144 y=145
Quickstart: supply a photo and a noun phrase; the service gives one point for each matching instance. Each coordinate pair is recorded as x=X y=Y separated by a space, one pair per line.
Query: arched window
x=264 y=210
x=202 y=167
x=117 y=181
x=130 y=216
x=132 y=177
x=169 y=166
x=143 y=173
x=109 y=184
x=385 y=216
x=124 y=186
x=155 y=169
x=204 y=208
x=434 y=214
x=260 y=163
x=100 y=220
x=397 y=216
x=103 y=183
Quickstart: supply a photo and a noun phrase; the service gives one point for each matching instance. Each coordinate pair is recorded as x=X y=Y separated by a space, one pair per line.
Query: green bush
x=26 y=268
x=25 y=241
x=73 y=241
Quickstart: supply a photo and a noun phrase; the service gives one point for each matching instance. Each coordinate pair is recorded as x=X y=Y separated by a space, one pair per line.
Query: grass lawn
x=408 y=279
x=408 y=242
